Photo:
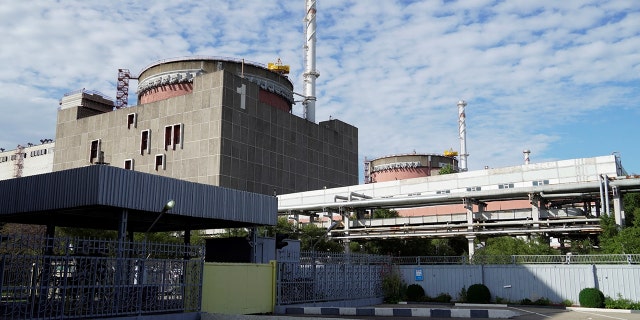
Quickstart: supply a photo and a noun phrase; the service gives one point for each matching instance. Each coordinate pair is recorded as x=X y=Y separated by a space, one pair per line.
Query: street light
x=168 y=206
x=333 y=225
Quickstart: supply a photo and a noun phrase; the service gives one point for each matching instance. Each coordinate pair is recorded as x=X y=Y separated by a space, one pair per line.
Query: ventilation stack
x=463 y=135
x=310 y=74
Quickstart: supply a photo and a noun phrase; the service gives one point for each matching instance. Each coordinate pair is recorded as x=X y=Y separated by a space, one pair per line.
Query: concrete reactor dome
x=406 y=166
x=175 y=77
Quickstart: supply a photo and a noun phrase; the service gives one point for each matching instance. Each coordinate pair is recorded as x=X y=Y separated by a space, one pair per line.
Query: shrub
x=443 y=297
x=478 y=293
x=462 y=296
x=621 y=303
x=415 y=292
x=393 y=288
x=567 y=303
x=591 y=298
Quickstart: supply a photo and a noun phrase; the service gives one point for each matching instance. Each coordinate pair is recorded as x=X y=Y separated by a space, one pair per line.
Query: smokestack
x=310 y=74
x=463 y=135
x=526 y=153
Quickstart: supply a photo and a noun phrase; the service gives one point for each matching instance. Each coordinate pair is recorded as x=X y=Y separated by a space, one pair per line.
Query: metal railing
x=521 y=259
x=73 y=278
x=321 y=276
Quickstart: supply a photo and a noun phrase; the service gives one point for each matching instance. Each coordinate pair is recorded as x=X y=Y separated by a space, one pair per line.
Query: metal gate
x=65 y=278
x=316 y=277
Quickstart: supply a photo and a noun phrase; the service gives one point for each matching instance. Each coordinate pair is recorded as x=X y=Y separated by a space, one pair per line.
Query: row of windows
x=23 y=155
x=160 y=163
x=172 y=138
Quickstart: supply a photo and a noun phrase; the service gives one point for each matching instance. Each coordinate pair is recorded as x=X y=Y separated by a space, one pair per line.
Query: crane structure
x=278 y=67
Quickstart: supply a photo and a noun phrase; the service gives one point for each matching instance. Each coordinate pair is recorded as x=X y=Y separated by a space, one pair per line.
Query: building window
x=505 y=186
x=4 y=159
x=145 y=141
x=474 y=188
x=173 y=136
x=132 y=120
x=443 y=191
x=128 y=164
x=541 y=183
x=160 y=162
x=95 y=150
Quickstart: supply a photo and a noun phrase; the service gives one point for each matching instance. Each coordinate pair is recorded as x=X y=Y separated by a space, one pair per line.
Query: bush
x=478 y=293
x=443 y=297
x=393 y=288
x=621 y=303
x=591 y=298
x=462 y=296
x=415 y=292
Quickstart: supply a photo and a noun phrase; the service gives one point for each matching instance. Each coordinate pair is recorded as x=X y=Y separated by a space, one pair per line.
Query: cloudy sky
x=561 y=78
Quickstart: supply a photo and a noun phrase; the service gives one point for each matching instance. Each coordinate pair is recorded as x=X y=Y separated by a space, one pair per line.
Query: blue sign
x=419 y=275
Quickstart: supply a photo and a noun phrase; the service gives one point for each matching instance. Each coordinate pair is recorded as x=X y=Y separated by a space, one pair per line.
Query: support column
x=347 y=241
x=121 y=271
x=468 y=205
x=187 y=242
x=472 y=248
x=618 y=207
x=534 y=199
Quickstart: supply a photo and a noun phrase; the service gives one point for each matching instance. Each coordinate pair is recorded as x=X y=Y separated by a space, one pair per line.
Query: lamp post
x=168 y=206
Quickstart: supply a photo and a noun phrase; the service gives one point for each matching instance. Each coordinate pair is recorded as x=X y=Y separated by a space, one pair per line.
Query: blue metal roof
x=95 y=196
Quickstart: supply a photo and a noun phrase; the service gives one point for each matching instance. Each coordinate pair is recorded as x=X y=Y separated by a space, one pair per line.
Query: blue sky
x=560 y=78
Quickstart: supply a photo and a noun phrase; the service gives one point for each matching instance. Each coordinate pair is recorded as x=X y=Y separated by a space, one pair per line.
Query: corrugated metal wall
x=516 y=282
x=115 y=187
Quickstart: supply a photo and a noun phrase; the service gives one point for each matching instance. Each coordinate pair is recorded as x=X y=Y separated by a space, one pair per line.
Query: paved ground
x=436 y=312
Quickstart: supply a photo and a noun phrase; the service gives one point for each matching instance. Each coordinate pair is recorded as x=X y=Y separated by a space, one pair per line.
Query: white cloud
x=395 y=69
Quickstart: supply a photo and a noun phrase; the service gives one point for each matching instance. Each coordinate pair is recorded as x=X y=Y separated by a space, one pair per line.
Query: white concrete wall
x=38 y=159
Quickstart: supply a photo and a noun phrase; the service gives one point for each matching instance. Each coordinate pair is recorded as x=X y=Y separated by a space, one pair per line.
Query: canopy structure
x=110 y=198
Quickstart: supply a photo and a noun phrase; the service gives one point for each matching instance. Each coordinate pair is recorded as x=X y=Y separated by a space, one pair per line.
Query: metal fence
x=73 y=278
x=319 y=277
x=521 y=259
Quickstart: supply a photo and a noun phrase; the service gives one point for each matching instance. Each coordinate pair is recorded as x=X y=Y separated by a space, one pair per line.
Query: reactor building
x=210 y=120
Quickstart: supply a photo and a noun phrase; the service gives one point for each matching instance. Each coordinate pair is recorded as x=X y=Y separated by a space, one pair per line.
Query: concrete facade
x=229 y=130
x=26 y=161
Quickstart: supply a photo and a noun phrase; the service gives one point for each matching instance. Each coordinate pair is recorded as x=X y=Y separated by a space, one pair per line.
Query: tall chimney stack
x=310 y=74
x=463 y=135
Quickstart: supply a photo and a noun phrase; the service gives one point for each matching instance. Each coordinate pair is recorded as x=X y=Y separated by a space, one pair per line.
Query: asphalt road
x=526 y=313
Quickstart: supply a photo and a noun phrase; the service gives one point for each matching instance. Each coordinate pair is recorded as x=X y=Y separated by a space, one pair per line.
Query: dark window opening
x=95 y=150
x=144 y=142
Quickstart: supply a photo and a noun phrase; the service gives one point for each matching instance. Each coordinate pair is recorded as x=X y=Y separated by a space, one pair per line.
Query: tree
x=314 y=237
x=619 y=241
x=283 y=226
x=448 y=169
x=631 y=202
x=385 y=213
x=515 y=246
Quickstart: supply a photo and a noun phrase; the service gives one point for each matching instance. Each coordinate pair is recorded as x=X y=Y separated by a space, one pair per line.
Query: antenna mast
x=310 y=74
